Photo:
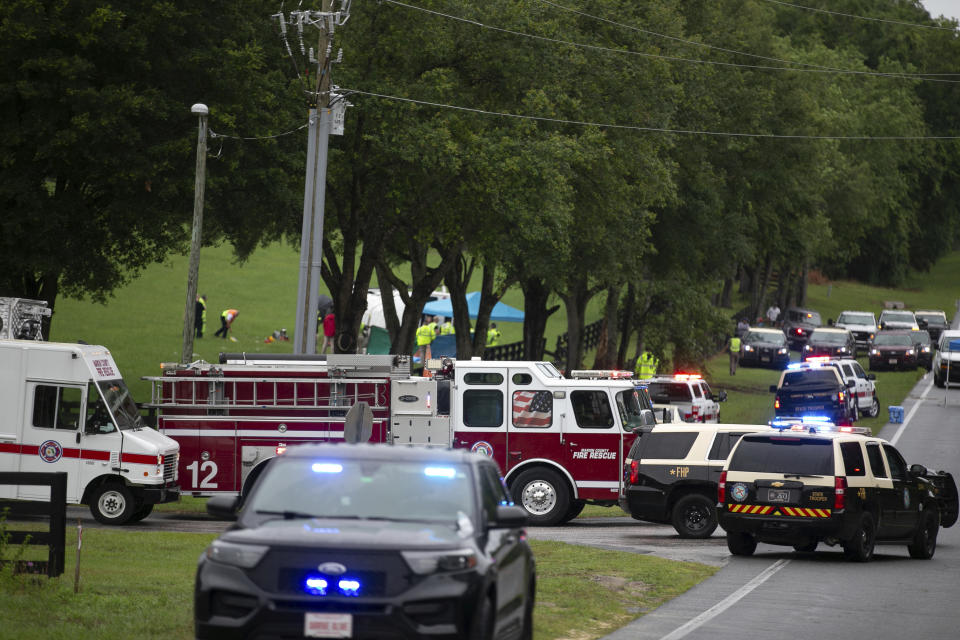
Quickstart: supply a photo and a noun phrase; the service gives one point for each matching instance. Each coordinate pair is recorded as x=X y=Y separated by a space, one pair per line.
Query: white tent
x=373 y=316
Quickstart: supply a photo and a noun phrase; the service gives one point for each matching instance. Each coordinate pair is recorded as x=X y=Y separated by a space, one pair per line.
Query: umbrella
x=324 y=304
x=501 y=312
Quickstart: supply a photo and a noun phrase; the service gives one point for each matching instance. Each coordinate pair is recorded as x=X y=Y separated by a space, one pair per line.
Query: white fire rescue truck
x=559 y=442
x=65 y=408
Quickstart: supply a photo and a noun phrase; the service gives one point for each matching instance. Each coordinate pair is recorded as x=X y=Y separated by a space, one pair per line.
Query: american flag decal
x=532 y=408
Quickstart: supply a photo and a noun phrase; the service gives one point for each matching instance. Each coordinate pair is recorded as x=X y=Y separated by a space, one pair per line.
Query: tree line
x=671 y=152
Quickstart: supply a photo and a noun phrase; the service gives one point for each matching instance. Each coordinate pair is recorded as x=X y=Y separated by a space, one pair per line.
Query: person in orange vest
x=226 y=320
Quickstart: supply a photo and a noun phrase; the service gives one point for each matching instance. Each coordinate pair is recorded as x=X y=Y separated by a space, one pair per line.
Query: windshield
x=898 y=316
x=114 y=396
x=549 y=370
x=933 y=318
x=892 y=340
x=857 y=318
x=366 y=489
x=828 y=337
x=776 y=337
x=628 y=403
x=667 y=392
x=806 y=317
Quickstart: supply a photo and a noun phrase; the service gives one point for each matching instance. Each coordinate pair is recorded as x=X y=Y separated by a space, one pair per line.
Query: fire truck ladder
x=216 y=393
x=21 y=318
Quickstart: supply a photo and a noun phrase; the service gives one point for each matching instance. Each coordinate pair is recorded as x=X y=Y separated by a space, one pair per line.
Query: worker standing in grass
x=226 y=321
x=200 y=316
x=733 y=346
x=493 y=335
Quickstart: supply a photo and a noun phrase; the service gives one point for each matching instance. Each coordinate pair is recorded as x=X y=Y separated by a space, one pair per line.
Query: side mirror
x=721 y=397
x=851 y=383
x=667 y=415
x=773 y=388
x=510 y=517
x=871 y=376
x=919 y=470
x=223 y=507
x=647 y=418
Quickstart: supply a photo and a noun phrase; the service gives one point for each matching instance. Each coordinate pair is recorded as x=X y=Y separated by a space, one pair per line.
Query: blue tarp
x=501 y=312
x=954 y=345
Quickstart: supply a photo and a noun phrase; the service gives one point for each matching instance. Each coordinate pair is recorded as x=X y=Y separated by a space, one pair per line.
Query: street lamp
x=202 y=112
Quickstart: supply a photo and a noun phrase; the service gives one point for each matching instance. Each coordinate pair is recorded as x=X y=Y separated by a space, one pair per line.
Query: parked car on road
x=946 y=361
x=798 y=324
x=832 y=343
x=800 y=489
x=764 y=348
x=894 y=319
x=862 y=324
x=670 y=474
x=369 y=541
x=893 y=350
x=933 y=321
x=865 y=389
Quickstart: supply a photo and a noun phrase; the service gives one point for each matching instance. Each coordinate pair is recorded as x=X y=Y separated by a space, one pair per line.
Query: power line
x=213 y=134
x=665 y=57
x=602 y=125
x=850 y=15
x=710 y=46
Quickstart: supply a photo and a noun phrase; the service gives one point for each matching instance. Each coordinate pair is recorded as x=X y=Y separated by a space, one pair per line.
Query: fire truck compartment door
x=414 y=413
x=52 y=418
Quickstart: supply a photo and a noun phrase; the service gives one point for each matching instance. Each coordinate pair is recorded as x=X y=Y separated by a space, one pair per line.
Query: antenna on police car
x=358 y=424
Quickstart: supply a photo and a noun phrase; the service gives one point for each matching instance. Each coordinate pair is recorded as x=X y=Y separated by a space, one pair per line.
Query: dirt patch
x=629 y=588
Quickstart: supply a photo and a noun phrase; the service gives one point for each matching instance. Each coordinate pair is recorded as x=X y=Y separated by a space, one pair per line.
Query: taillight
x=799 y=331
x=776 y=403
x=839 y=493
x=840 y=396
x=634 y=471
x=722 y=487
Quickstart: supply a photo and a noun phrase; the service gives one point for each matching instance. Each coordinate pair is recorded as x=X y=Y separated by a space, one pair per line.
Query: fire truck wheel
x=544 y=494
x=142 y=512
x=112 y=503
x=576 y=506
x=694 y=516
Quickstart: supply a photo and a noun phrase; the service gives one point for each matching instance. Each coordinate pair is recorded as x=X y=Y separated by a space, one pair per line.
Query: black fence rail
x=512 y=351
x=55 y=511
x=591 y=338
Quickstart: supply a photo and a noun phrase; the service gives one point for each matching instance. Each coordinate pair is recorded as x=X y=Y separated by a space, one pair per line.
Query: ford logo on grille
x=332 y=568
x=408 y=398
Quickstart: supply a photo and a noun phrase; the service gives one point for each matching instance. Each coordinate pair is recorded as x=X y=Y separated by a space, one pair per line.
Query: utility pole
x=321 y=115
x=186 y=355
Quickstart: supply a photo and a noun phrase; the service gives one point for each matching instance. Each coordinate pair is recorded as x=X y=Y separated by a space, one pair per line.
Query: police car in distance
x=799 y=489
x=862 y=324
x=893 y=319
x=933 y=321
x=813 y=389
x=798 y=324
x=864 y=389
x=833 y=343
x=690 y=393
x=764 y=348
x=670 y=474
x=369 y=541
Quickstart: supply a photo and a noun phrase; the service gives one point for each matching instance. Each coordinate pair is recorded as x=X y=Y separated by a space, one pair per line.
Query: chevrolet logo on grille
x=776 y=484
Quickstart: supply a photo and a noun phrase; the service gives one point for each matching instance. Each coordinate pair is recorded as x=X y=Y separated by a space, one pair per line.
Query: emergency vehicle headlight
x=245 y=556
x=747 y=347
x=424 y=562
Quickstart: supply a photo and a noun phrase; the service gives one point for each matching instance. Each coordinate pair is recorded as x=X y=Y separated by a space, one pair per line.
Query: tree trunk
x=626 y=327
x=575 y=300
x=457 y=280
x=802 y=283
x=535 y=315
x=389 y=308
x=606 y=357
x=726 y=294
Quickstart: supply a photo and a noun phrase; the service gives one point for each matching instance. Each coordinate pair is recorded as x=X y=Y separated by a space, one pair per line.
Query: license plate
x=764 y=358
x=812 y=407
x=778 y=495
x=328 y=625
x=892 y=361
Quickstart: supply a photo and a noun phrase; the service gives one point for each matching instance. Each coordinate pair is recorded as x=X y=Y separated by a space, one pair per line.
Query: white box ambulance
x=64 y=407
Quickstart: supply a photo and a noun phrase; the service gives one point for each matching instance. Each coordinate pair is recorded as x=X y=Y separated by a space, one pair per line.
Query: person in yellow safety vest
x=425 y=335
x=200 y=316
x=646 y=365
x=446 y=329
x=226 y=320
x=493 y=335
x=733 y=346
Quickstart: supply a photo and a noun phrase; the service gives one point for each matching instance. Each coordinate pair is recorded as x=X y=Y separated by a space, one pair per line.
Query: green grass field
x=140 y=585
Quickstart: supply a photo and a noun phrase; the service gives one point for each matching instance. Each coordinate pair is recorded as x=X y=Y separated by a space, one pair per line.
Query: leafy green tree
x=98 y=147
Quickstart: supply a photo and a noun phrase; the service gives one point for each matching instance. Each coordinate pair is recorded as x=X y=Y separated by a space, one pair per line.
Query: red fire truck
x=559 y=441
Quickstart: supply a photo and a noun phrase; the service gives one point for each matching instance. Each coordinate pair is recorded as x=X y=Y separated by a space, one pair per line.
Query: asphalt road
x=781 y=594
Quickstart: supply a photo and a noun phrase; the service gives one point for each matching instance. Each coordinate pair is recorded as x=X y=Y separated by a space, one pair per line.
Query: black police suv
x=830 y=343
x=933 y=321
x=811 y=389
x=369 y=541
x=800 y=489
x=764 y=348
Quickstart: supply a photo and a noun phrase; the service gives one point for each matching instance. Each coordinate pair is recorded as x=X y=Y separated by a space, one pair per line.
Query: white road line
x=727 y=602
x=913 y=410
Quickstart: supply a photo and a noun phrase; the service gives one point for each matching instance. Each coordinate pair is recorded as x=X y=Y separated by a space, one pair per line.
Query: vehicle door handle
x=516 y=454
